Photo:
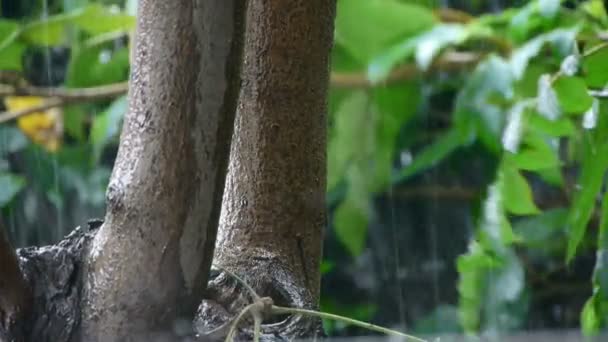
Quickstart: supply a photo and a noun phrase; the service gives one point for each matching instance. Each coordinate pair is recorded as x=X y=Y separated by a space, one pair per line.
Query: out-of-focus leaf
x=474 y=104
x=593 y=167
x=547 y=103
x=433 y=154
x=97 y=19
x=349 y=121
x=536 y=155
x=367 y=27
x=10 y=185
x=548 y=8
x=590 y=320
x=10 y=49
x=396 y=105
x=562 y=127
x=596 y=69
x=472 y=268
x=561 y=39
x=517 y=194
x=11 y=140
x=572 y=95
x=350 y=224
x=570 y=65
x=94 y=19
x=49 y=31
x=424 y=46
x=515 y=128
x=591 y=116
x=93 y=66
x=596 y=9
x=537 y=231
x=107 y=125
x=11 y=56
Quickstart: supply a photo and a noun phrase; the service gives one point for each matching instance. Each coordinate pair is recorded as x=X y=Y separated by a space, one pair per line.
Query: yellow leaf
x=43 y=128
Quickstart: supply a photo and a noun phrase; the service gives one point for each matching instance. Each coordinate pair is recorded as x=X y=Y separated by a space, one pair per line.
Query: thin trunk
x=149 y=261
x=15 y=294
x=273 y=213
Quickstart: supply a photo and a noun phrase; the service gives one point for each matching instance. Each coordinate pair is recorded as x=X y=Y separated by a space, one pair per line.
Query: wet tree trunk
x=149 y=262
x=273 y=212
x=146 y=267
x=15 y=294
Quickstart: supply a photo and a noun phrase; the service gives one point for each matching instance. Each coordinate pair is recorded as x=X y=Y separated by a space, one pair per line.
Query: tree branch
x=59 y=97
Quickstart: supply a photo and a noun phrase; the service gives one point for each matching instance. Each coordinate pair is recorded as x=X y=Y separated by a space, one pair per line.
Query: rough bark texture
x=15 y=295
x=149 y=261
x=273 y=213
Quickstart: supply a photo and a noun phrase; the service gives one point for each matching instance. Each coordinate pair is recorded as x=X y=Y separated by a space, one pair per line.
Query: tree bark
x=15 y=294
x=273 y=212
x=149 y=262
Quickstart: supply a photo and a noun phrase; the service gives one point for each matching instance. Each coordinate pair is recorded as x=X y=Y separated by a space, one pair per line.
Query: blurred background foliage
x=468 y=147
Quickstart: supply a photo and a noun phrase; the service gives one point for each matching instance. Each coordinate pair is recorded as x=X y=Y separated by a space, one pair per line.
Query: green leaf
x=596 y=69
x=93 y=19
x=47 y=32
x=367 y=27
x=396 y=105
x=11 y=185
x=572 y=95
x=472 y=269
x=596 y=9
x=536 y=155
x=73 y=121
x=425 y=46
x=542 y=230
x=346 y=137
x=93 y=66
x=10 y=49
x=11 y=56
x=562 y=127
x=107 y=125
x=548 y=8
x=590 y=320
x=350 y=224
x=561 y=39
x=11 y=140
x=593 y=168
x=433 y=154
x=517 y=195
x=96 y=19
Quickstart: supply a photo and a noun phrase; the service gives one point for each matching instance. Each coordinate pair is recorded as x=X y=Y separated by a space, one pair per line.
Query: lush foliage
x=527 y=87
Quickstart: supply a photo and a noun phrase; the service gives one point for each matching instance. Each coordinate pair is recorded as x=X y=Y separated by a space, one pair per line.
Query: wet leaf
x=517 y=194
x=515 y=127
x=367 y=27
x=572 y=95
x=596 y=69
x=591 y=115
x=350 y=224
x=547 y=103
x=107 y=125
x=11 y=185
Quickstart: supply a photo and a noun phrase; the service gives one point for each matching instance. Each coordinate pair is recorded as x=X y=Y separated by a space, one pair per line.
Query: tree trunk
x=149 y=262
x=273 y=212
x=15 y=294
